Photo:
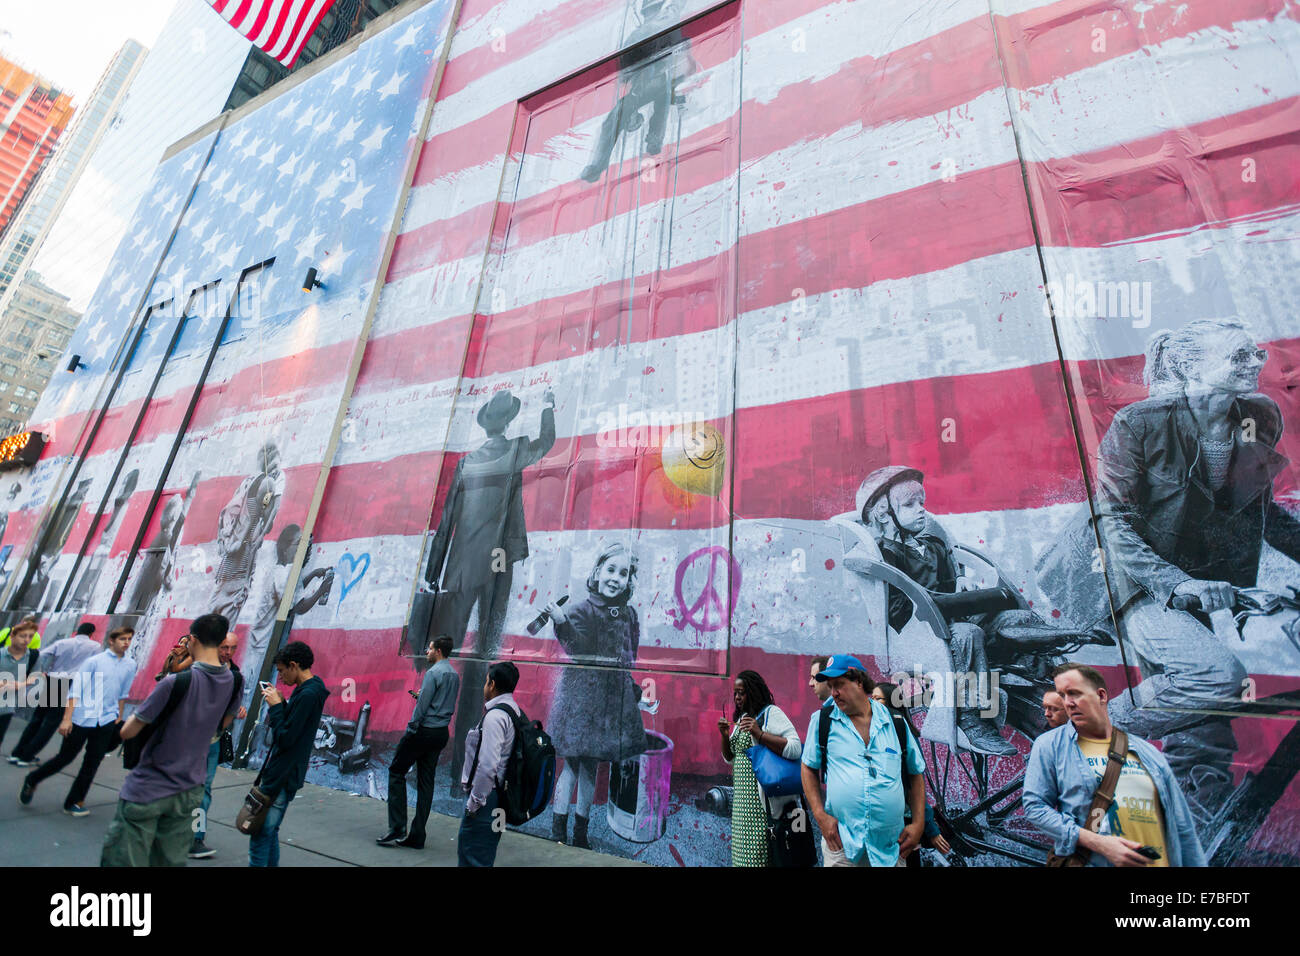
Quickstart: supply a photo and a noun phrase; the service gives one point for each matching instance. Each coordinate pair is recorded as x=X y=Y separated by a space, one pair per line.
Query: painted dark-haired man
x=423 y=741
x=293 y=728
x=158 y=800
x=1147 y=823
x=487 y=749
x=871 y=776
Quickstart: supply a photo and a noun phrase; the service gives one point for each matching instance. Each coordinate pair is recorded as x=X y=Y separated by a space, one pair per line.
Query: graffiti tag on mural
x=710 y=611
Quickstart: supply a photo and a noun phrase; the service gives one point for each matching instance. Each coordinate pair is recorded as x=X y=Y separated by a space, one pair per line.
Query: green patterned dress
x=748 y=816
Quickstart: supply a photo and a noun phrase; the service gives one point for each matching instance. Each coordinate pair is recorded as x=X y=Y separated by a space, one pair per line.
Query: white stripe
x=1214 y=72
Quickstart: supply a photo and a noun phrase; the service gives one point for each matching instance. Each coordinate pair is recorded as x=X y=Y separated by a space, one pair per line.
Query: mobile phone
x=264 y=684
x=414 y=694
x=1150 y=852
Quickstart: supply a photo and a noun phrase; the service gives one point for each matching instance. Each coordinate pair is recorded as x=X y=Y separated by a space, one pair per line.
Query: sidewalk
x=322 y=828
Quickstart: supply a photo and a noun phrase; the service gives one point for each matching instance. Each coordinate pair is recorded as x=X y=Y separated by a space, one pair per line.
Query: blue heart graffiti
x=356 y=570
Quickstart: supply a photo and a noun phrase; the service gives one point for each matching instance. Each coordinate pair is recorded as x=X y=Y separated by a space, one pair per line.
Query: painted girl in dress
x=595 y=717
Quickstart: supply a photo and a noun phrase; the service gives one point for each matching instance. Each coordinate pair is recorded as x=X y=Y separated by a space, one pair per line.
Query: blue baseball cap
x=837 y=665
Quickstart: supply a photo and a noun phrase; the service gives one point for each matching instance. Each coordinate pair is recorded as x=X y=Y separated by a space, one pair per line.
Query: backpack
x=824 y=735
x=133 y=748
x=528 y=783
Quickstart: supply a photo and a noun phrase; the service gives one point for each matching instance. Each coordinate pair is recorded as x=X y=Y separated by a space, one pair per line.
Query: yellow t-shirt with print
x=1136 y=813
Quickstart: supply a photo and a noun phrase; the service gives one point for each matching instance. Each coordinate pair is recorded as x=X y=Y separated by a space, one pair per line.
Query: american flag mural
x=679 y=276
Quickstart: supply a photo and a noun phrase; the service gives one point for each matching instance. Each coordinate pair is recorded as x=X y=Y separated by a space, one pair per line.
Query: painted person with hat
x=480 y=537
x=892 y=503
x=871 y=776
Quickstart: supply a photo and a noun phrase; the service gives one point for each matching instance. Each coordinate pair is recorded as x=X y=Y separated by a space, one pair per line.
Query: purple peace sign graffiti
x=709 y=612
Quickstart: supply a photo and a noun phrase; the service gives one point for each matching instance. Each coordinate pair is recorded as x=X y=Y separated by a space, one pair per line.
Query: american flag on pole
x=279 y=27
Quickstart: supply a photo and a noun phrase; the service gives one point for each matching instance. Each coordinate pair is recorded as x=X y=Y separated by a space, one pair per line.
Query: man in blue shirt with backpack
x=870 y=773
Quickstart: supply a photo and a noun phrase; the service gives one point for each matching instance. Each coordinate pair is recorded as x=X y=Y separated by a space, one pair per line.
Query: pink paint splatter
x=830 y=564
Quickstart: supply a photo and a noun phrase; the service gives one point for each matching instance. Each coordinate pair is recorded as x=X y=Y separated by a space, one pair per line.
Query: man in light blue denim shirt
x=866 y=781
x=1060 y=783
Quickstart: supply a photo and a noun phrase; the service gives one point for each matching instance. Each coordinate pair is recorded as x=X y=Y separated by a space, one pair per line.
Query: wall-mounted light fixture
x=311 y=282
x=75 y=363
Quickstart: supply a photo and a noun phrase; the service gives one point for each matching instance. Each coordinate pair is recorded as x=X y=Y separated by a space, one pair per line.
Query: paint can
x=637 y=808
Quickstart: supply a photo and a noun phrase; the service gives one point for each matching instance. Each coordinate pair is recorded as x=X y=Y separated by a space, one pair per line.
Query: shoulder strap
x=478 y=750
x=824 y=735
x=180 y=686
x=1105 y=795
x=900 y=728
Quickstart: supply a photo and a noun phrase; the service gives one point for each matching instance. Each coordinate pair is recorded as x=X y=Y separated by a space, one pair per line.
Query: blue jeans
x=264 y=849
x=476 y=844
x=214 y=752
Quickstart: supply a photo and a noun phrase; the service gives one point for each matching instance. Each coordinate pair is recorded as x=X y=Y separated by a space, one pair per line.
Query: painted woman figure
x=243 y=524
x=594 y=718
x=1185 y=504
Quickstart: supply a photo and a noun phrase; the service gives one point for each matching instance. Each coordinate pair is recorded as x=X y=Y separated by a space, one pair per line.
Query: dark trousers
x=4 y=726
x=97 y=741
x=420 y=748
x=37 y=733
x=476 y=844
x=451 y=617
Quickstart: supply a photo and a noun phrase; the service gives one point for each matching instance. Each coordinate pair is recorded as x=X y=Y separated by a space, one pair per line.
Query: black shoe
x=26 y=793
x=392 y=838
x=410 y=843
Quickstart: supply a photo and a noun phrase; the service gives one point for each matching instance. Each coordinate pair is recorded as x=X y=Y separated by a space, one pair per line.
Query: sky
x=70 y=42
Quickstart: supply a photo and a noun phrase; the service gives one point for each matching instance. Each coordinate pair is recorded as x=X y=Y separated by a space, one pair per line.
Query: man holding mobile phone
x=1147 y=824
x=425 y=737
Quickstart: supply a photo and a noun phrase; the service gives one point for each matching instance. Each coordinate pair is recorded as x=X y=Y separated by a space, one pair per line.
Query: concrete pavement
x=323 y=827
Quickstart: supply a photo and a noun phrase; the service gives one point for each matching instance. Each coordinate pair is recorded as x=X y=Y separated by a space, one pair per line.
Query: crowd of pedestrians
x=1103 y=798
x=852 y=786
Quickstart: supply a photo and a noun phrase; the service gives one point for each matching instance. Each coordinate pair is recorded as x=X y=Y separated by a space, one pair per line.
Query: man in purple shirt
x=487 y=749
x=155 y=812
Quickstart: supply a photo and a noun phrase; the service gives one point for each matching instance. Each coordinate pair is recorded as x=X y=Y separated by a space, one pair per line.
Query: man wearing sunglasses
x=868 y=779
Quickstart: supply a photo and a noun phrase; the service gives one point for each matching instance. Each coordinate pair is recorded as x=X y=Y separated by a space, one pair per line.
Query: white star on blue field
x=310 y=179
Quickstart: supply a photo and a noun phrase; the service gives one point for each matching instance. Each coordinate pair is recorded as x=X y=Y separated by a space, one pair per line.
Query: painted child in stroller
x=981 y=624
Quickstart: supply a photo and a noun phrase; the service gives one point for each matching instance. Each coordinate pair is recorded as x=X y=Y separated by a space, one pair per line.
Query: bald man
x=1054 y=710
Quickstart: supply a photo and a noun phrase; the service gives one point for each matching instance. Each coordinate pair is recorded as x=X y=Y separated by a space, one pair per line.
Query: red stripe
x=237 y=19
x=940 y=72
x=315 y=22
x=281 y=15
x=256 y=28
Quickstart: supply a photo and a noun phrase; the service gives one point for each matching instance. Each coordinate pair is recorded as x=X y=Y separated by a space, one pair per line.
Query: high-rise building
x=33 y=333
x=33 y=114
x=45 y=199
x=182 y=83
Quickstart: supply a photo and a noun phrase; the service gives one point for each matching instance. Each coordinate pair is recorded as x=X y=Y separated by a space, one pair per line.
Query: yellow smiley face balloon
x=695 y=459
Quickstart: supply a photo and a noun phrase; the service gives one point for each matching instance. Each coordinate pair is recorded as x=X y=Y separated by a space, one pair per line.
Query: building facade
x=33 y=115
x=654 y=288
x=34 y=331
x=28 y=229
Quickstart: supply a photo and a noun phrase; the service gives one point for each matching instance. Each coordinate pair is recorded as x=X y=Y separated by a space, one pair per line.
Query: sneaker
x=201 y=851
x=23 y=763
x=76 y=810
x=982 y=735
x=26 y=793
x=14 y=761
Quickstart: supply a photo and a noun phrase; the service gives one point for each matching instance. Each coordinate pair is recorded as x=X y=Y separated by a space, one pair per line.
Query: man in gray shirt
x=423 y=741
x=59 y=662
